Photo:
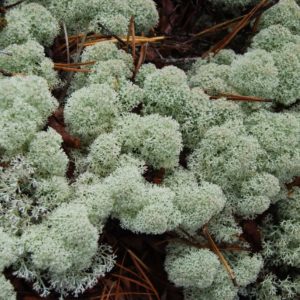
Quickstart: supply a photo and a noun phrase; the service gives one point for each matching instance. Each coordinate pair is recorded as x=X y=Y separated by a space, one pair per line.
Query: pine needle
x=240 y=98
x=216 y=250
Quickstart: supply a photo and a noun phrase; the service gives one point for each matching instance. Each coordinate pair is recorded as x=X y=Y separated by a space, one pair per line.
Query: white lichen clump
x=30 y=21
x=92 y=110
x=26 y=103
x=54 y=247
x=29 y=59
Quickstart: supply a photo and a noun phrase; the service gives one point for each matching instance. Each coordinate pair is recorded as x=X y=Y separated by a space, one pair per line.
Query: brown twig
x=240 y=98
x=6 y=73
x=132 y=32
x=70 y=75
x=215 y=28
x=67 y=41
x=236 y=29
x=111 y=33
x=216 y=250
x=13 y=5
x=70 y=69
x=71 y=65
x=140 y=266
x=69 y=140
x=142 y=57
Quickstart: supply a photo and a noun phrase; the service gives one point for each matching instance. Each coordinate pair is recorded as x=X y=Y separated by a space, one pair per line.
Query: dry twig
x=216 y=250
x=240 y=98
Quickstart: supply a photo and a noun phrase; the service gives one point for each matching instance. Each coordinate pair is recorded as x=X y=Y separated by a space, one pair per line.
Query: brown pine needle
x=240 y=98
x=139 y=40
x=6 y=73
x=122 y=268
x=74 y=64
x=237 y=28
x=216 y=28
x=128 y=279
x=132 y=32
x=67 y=41
x=139 y=264
x=142 y=57
x=13 y=5
x=103 y=27
x=68 y=69
x=216 y=250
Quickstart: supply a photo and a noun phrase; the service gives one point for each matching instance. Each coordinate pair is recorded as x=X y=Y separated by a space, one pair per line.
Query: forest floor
x=187 y=30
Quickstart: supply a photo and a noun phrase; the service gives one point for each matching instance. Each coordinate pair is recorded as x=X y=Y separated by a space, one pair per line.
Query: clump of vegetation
x=160 y=152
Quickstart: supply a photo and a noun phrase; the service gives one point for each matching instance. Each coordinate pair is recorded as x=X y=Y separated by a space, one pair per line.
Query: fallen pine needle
x=216 y=250
x=68 y=69
x=240 y=98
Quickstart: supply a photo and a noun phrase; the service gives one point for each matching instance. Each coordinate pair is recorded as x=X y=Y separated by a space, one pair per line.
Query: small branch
x=87 y=63
x=69 y=140
x=215 y=28
x=70 y=75
x=240 y=98
x=13 y=5
x=67 y=41
x=141 y=60
x=6 y=73
x=190 y=240
x=237 y=28
x=132 y=32
x=112 y=34
x=216 y=250
x=139 y=40
x=67 y=69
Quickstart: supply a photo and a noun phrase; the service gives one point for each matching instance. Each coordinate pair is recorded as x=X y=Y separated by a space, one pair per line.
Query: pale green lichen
x=197 y=203
x=26 y=104
x=96 y=197
x=112 y=72
x=286 y=13
x=152 y=138
x=140 y=206
x=30 y=21
x=226 y=155
x=254 y=74
x=29 y=59
x=103 y=155
x=240 y=156
x=52 y=192
x=195 y=261
x=211 y=77
x=289 y=206
x=144 y=71
x=166 y=92
x=278 y=135
x=46 y=155
x=8 y=250
x=223 y=57
x=53 y=248
x=92 y=110
x=274 y=37
x=99 y=52
x=287 y=61
x=113 y=14
x=7 y=291
x=202 y=114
